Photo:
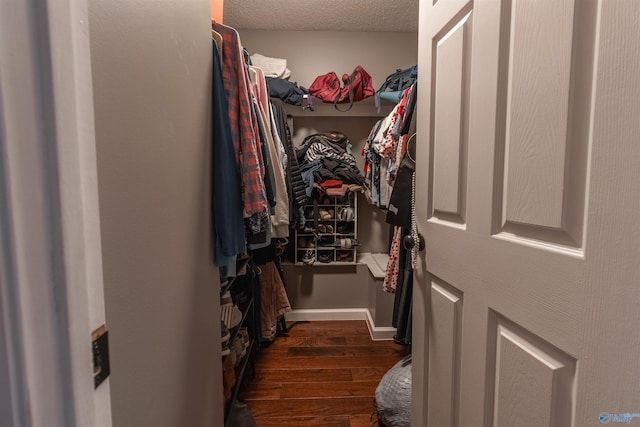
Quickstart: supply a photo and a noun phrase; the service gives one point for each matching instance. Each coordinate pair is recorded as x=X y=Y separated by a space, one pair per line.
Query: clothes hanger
x=217 y=37
x=411 y=149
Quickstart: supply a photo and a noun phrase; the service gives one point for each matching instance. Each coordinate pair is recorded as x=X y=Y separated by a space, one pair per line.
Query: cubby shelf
x=330 y=233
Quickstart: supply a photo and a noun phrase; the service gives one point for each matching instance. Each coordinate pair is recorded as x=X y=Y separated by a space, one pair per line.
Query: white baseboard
x=381 y=332
x=377 y=333
x=327 y=314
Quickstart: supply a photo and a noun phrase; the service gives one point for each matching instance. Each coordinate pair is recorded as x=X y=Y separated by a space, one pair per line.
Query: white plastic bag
x=393 y=395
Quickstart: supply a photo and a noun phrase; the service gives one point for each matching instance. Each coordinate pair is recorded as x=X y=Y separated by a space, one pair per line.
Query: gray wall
x=326 y=287
x=321 y=287
x=311 y=53
x=152 y=76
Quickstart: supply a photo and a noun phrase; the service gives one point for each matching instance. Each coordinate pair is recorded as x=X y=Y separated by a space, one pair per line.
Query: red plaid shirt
x=244 y=129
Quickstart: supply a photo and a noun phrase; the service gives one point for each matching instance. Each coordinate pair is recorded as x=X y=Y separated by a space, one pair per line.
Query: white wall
x=152 y=81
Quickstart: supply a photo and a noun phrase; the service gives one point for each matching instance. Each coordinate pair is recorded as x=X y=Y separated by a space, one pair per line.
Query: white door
x=51 y=294
x=528 y=292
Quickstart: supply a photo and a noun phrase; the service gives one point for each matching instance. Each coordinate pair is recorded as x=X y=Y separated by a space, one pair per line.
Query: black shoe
x=325 y=257
x=325 y=241
x=345 y=228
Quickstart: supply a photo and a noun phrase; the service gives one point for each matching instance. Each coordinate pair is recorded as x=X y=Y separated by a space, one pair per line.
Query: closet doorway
x=316 y=39
x=607 y=301
x=526 y=273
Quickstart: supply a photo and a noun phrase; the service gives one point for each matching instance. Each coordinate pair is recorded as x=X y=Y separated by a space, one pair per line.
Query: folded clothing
x=328 y=183
x=288 y=92
x=395 y=96
x=272 y=67
x=338 y=191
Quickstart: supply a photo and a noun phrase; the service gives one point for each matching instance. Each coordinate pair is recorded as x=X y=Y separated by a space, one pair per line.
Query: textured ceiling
x=335 y=15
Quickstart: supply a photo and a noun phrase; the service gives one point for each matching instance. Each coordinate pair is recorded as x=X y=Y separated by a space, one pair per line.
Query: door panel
x=452 y=58
x=520 y=253
x=539 y=38
x=542 y=121
x=529 y=373
x=446 y=334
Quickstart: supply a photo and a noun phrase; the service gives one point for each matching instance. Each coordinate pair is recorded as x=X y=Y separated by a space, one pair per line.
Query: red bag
x=326 y=87
x=357 y=87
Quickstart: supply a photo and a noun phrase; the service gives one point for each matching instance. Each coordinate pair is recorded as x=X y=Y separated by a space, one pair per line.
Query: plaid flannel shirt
x=243 y=129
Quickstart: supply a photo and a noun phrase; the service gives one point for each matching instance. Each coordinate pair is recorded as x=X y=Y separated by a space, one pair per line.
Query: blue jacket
x=226 y=200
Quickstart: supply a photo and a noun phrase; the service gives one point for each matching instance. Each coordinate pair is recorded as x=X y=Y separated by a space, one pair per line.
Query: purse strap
x=349 y=82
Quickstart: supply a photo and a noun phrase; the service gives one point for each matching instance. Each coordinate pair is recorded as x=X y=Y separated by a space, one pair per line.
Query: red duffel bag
x=357 y=86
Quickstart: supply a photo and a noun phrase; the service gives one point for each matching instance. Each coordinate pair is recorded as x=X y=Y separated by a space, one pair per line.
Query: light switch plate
x=100 y=348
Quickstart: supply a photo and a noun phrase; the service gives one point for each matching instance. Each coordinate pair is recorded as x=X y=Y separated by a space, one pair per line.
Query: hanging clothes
x=393 y=265
x=281 y=152
x=273 y=299
x=295 y=184
x=394 y=140
x=383 y=152
x=274 y=302
x=248 y=137
x=403 y=301
x=226 y=203
x=244 y=130
x=372 y=167
x=401 y=213
x=380 y=188
x=280 y=204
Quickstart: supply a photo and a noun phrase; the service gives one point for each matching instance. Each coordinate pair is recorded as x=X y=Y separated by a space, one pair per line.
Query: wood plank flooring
x=324 y=373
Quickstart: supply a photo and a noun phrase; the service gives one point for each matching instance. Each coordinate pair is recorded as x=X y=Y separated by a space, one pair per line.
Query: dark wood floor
x=321 y=374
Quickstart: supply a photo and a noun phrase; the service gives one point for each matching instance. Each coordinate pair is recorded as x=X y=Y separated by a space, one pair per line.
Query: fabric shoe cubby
x=329 y=235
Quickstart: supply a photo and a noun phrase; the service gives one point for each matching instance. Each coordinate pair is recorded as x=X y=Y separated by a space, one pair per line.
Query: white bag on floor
x=393 y=395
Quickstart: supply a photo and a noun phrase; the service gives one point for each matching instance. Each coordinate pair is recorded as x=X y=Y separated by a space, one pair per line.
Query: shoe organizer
x=329 y=235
